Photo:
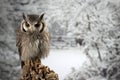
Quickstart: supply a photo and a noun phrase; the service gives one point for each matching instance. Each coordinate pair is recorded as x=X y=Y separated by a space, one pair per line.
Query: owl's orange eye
x=37 y=25
x=27 y=25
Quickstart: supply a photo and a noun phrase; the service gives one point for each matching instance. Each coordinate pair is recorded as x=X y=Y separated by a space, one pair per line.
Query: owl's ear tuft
x=24 y=16
x=41 y=17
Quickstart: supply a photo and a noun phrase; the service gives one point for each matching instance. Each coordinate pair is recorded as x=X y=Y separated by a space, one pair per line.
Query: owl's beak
x=32 y=29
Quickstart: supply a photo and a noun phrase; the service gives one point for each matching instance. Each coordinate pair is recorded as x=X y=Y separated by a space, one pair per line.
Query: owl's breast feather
x=30 y=49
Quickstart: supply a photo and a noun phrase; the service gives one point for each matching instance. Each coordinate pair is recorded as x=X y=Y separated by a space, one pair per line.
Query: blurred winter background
x=85 y=37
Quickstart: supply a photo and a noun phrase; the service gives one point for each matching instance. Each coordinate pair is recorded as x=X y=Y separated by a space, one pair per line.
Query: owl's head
x=32 y=23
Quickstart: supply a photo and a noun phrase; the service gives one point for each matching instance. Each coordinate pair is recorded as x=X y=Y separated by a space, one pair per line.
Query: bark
x=34 y=70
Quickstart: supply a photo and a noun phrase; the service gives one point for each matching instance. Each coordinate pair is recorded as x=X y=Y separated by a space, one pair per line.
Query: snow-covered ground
x=61 y=61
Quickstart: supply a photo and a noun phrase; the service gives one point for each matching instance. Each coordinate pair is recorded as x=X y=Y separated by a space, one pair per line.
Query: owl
x=32 y=38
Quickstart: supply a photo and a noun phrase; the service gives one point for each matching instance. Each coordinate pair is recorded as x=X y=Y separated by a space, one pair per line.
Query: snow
x=61 y=61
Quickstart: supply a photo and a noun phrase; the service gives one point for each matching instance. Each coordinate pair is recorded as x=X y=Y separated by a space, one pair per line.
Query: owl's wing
x=43 y=44
x=48 y=38
x=18 y=40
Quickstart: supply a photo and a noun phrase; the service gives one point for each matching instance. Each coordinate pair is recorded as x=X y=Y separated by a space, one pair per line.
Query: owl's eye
x=27 y=25
x=37 y=25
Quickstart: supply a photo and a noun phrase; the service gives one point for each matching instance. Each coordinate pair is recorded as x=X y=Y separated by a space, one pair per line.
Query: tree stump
x=34 y=70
